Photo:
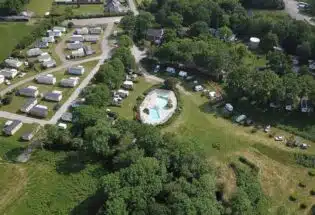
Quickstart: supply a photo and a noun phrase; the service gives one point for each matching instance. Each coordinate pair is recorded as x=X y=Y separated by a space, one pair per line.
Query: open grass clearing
x=82 y=10
x=18 y=101
x=12 y=34
x=39 y=7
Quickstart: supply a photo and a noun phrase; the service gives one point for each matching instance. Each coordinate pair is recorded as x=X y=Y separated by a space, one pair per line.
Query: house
x=66 y=117
x=61 y=29
x=28 y=105
x=182 y=74
x=30 y=91
x=82 y=31
x=128 y=85
x=46 y=79
x=91 y=38
x=39 y=111
x=70 y=82
x=88 y=50
x=44 y=57
x=122 y=93
x=27 y=136
x=113 y=6
x=49 y=64
x=170 y=70
x=75 y=45
x=78 y=53
x=96 y=30
x=50 y=39
x=76 y=38
x=306 y=106
x=40 y=44
x=55 y=33
x=11 y=127
x=78 y=70
x=2 y=79
x=55 y=96
x=155 y=35
x=34 y=52
x=14 y=63
x=8 y=73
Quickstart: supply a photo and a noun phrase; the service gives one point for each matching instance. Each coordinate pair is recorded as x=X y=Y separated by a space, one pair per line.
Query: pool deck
x=150 y=102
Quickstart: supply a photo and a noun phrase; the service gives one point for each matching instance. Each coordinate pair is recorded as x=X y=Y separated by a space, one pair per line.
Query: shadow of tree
x=91 y=205
x=14 y=153
x=74 y=162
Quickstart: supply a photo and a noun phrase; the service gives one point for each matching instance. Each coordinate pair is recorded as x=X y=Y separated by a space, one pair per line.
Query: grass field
x=13 y=33
x=82 y=10
x=18 y=101
x=39 y=7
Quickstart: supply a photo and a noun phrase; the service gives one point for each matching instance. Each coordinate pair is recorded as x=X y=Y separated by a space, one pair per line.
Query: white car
x=267 y=128
x=279 y=138
x=156 y=69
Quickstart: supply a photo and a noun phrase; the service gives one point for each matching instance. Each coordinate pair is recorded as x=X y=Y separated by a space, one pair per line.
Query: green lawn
x=18 y=101
x=13 y=33
x=39 y=7
x=82 y=10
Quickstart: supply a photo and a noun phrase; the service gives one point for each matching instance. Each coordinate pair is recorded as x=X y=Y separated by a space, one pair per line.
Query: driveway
x=291 y=7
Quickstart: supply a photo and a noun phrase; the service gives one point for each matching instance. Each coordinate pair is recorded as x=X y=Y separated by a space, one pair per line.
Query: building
x=78 y=53
x=62 y=126
x=155 y=35
x=55 y=96
x=254 y=42
x=128 y=85
x=34 y=52
x=113 y=6
x=76 y=38
x=54 y=33
x=27 y=136
x=8 y=73
x=122 y=93
x=91 y=38
x=40 y=44
x=12 y=126
x=96 y=30
x=2 y=79
x=75 y=45
x=69 y=82
x=82 y=31
x=88 y=50
x=49 y=64
x=14 y=63
x=28 y=105
x=50 y=39
x=44 y=57
x=78 y=70
x=66 y=117
x=30 y=91
x=39 y=111
x=46 y=79
x=59 y=28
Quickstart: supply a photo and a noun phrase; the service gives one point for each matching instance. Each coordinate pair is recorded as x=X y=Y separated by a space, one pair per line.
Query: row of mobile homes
x=46 y=79
x=29 y=104
x=30 y=91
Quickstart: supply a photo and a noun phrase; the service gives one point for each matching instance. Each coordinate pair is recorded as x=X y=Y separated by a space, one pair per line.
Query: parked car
x=279 y=138
x=157 y=68
x=240 y=118
x=267 y=128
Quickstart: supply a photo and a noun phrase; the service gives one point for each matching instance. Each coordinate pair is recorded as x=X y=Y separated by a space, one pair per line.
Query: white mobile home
x=82 y=31
x=58 y=28
x=75 y=45
x=128 y=85
x=39 y=111
x=76 y=38
x=30 y=91
x=8 y=73
x=49 y=64
x=46 y=79
x=50 y=39
x=70 y=82
x=29 y=104
x=78 y=70
x=44 y=57
x=55 y=96
x=14 y=63
x=12 y=126
x=34 y=52
x=78 y=53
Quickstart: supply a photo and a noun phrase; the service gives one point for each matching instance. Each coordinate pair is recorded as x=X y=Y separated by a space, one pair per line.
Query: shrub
x=292 y=198
x=312 y=192
x=311 y=173
x=272 y=134
x=216 y=146
x=70 y=24
x=303 y=206
x=301 y=184
x=248 y=163
x=7 y=99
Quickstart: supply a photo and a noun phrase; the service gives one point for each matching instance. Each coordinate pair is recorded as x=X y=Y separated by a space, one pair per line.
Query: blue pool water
x=161 y=102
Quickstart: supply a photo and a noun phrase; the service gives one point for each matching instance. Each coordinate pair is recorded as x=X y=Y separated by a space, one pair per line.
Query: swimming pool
x=160 y=103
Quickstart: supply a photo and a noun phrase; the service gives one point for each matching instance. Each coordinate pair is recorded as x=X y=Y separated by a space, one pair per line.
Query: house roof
x=67 y=117
x=54 y=95
x=39 y=110
x=28 y=90
x=29 y=102
x=155 y=32
x=12 y=125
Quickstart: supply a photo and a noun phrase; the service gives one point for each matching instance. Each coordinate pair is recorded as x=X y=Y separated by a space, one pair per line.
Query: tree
x=144 y=21
x=175 y=20
x=97 y=96
x=125 y=41
x=225 y=32
x=304 y=70
x=7 y=99
x=169 y=35
x=269 y=41
x=170 y=83
x=86 y=116
x=198 y=28
x=240 y=204
x=126 y=57
x=13 y=6
x=57 y=139
x=128 y=24
x=279 y=62
x=304 y=52
x=69 y=12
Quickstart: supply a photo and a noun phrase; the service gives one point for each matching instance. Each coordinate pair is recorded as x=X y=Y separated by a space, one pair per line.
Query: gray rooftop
x=28 y=103
x=12 y=126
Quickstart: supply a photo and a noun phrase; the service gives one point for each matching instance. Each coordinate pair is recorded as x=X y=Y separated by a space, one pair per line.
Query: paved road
x=24 y=119
x=96 y=21
x=292 y=9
